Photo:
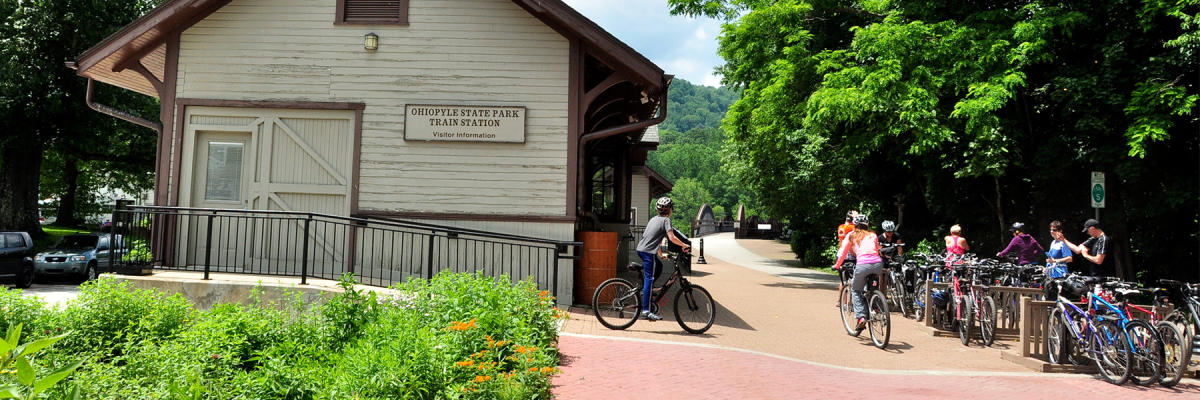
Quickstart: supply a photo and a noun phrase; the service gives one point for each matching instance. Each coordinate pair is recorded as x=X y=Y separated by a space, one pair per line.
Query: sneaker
x=650 y=316
x=862 y=324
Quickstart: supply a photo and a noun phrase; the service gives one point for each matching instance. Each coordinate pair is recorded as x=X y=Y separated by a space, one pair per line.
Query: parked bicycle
x=899 y=284
x=972 y=304
x=1094 y=333
x=1145 y=343
x=1178 y=329
x=617 y=302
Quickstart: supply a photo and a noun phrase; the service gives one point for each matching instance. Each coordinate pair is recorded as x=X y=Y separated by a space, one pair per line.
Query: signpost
x=1098 y=194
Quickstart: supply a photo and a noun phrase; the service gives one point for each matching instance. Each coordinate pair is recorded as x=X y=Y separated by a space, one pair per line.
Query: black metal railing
x=378 y=251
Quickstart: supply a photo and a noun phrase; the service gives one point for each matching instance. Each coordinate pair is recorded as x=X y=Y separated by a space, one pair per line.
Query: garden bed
x=456 y=336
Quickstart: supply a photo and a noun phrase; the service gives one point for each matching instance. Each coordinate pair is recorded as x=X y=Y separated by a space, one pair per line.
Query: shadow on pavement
x=682 y=333
x=566 y=360
x=803 y=285
x=729 y=319
x=894 y=346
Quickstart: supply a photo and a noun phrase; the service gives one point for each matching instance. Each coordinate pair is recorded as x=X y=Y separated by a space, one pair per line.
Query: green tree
x=42 y=105
x=978 y=113
x=689 y=195
x=691 y=143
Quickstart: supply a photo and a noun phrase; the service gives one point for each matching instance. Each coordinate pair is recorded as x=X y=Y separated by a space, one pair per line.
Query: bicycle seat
x=1171 y=282
x=634 y=266
x=1126 y=292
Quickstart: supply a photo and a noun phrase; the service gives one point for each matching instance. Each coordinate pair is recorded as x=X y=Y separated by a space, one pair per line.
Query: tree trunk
x=67 y=204
x=1116 y=226
x=20 y=172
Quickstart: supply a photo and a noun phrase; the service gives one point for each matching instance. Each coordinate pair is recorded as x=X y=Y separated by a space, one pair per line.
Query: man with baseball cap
x=1094 y=249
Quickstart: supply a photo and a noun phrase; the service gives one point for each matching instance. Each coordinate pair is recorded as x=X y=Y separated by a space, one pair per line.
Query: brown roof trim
x=177 y=15
x=173 y=13
x=574 y=125
x=303 y=105
x=166 y=113
x=657 y=180
x=571 y=23
x=464 y=216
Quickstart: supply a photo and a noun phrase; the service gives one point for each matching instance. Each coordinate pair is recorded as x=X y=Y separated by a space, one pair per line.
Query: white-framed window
x=223 y=181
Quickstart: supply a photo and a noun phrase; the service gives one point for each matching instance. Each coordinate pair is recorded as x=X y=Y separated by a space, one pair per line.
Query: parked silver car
x=85 y=255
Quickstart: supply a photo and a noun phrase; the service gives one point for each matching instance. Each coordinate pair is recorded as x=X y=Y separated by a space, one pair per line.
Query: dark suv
x=16 y=259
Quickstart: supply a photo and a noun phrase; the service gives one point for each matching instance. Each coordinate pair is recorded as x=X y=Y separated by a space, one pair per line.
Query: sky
x=682 y=46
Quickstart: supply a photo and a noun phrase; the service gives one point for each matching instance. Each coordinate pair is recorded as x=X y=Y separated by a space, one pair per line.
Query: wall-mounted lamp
x=371 y=42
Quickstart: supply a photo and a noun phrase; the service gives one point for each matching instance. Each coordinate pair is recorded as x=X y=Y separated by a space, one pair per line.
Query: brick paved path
x=609 y=368
x=770 y=316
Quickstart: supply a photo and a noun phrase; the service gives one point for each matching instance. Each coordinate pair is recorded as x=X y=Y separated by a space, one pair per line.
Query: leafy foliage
x=455 y=336
x=15 y=359
x=43 y=110
x=978 y=113
x=689 y=152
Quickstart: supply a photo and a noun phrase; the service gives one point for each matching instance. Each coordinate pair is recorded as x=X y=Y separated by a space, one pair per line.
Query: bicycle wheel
x=846 y=308
x=987 y=320
x=616 y=303
x=1176 y=352
x=1056 y=338
x=966 y=320
x=919 y=300
x=1146 y=352
x=1110 y=350
x=879 y=320
x=898 y=295
x=695 y=309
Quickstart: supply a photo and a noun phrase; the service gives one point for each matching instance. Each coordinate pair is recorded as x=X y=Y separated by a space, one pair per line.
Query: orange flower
x=482 y=378
x=467 y=363
x=547 y=370
x=461 y=326
x=533 y=369
x=543 y=293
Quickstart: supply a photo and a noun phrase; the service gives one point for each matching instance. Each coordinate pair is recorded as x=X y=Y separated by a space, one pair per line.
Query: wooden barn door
x=293 y=160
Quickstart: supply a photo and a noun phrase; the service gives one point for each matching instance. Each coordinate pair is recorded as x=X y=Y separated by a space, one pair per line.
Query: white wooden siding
x=467 y=52
x=640 y=198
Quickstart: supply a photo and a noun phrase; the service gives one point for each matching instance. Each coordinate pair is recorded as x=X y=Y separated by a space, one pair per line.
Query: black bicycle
x=617 y=303
x=1179 y=329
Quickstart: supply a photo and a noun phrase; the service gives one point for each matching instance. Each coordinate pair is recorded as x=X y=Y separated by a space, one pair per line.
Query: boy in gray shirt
x=649 y=249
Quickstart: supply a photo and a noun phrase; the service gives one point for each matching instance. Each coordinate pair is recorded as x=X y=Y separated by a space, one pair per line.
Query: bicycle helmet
x=1017 y=226
x=861 y=221
x=888 y=226
x=664 y=203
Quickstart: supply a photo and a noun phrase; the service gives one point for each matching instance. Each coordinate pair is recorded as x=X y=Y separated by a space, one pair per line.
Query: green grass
x=54 y=233
x=824 y=269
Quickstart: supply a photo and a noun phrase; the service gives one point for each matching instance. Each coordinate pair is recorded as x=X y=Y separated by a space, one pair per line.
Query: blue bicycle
x=1096 y=333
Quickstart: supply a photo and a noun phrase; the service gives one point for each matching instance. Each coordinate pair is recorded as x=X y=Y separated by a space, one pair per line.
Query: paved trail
x=778 y=336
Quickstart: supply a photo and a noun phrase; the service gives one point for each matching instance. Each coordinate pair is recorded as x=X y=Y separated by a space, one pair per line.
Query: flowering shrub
x=455 y=336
